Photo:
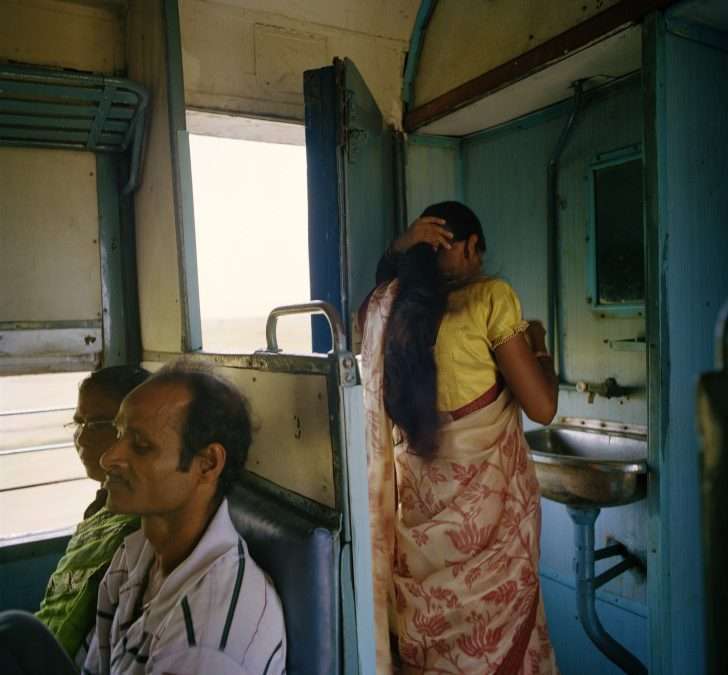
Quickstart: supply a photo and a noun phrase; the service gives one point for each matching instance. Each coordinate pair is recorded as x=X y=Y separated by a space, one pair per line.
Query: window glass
x=251 y=230
x=43 y=485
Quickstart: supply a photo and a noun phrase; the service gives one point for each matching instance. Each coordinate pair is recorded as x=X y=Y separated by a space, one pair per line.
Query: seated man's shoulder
x=232 y=609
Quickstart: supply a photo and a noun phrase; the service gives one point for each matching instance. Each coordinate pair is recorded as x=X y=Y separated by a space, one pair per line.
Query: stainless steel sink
x=589 y=463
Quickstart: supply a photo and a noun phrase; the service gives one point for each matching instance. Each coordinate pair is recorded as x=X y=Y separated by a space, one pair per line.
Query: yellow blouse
x=480 y=317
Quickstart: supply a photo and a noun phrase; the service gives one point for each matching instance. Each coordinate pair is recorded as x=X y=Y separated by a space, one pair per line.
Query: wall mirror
x=616 y=233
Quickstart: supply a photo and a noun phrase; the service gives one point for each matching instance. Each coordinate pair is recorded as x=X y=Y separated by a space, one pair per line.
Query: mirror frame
x=602 y=161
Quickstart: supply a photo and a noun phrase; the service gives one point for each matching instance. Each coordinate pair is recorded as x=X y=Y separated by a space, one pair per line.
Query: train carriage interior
x=217 y=179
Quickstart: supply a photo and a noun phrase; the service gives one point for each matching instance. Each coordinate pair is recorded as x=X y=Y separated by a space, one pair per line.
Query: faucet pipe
x=608 y=389
x=587 y=583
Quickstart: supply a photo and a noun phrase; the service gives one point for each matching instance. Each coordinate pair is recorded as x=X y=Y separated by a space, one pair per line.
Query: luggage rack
x=48 y=108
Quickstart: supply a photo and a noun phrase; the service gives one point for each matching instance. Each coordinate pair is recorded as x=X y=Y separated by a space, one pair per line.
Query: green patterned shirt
x=69 y=605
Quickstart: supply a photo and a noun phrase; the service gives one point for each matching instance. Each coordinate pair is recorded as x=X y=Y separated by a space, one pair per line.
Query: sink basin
x=588 y=463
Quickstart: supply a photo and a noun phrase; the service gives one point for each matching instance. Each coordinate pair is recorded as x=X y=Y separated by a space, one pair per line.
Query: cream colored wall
x=156 y=235
x=62 y=34
x=466 y=38
x=248 y=56
x=49 y=224
x=49 y=254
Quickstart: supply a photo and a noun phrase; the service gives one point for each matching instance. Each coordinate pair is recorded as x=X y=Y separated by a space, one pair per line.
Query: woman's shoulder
x=489 y=289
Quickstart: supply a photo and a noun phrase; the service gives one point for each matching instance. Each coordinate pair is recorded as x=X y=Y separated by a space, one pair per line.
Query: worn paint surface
x=434 y=172
x=62 y=34
x=690 y=282
x=248 y=56
x=453 y=50
x=303 y=460
x=51 y=210
x=49 y=252
x=351 y=202
x=156 y=236
x=369 y=189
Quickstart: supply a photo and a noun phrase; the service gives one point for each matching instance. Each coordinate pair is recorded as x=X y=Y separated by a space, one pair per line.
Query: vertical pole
x=658 y=367
x=400 y=178
x=110 y=254
x=182 y=181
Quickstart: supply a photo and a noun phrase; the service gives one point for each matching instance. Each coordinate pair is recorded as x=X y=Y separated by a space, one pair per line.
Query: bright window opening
x=251 y=230
x=43 y=485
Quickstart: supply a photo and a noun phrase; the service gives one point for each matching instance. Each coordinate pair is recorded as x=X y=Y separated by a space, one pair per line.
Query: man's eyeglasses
x=94 y=426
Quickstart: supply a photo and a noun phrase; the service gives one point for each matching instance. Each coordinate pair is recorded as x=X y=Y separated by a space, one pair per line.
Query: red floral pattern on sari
x=454 y=539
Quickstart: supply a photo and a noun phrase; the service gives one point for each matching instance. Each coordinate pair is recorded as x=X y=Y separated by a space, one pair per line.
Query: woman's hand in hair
x=425 y=230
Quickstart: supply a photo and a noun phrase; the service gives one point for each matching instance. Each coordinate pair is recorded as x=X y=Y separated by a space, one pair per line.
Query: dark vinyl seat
x=300 y=553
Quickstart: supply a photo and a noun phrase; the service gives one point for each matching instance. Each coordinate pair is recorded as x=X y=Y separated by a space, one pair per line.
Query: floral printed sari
x=455 y=539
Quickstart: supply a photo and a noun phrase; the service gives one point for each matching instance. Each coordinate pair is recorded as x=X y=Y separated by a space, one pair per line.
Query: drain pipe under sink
x=587 y=584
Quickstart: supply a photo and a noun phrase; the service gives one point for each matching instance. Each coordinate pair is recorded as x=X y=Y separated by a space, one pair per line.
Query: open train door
x=351 y=220
x=351 y=193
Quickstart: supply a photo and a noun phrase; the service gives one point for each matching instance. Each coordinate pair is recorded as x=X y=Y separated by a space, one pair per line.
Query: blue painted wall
x=687 y=140
x=504 y=174
x=434 y=172
x=25 y=570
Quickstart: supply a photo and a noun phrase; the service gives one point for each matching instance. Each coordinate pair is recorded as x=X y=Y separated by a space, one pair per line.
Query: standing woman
x=454 y=501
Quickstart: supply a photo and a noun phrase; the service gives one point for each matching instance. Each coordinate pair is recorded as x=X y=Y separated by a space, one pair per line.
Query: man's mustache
x=116 y=478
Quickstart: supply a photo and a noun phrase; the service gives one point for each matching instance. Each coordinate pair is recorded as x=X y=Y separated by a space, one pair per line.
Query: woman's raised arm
x=529 y=374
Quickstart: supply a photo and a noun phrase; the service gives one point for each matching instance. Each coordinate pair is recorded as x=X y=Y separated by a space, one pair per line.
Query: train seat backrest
x=301 y=556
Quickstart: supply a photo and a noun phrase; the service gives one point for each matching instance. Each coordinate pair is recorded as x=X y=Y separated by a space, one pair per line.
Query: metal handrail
x=48 y=104
x=314 y=307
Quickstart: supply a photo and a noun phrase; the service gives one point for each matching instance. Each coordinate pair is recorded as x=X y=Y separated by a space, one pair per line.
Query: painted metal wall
x=48 y=210
x=62 y=35
x=25 y=570
x=49 y=213
x=434 y=172
x=248 y=56
x=505 y=182
x=160 y=302
x=49 y=230
x=686 y=136
x=453 y=50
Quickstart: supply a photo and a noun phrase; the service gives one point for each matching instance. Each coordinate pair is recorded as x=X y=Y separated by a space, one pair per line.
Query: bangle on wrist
x=542 y=355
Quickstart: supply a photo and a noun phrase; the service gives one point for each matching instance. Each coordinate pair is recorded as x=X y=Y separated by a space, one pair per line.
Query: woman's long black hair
x=410 y=375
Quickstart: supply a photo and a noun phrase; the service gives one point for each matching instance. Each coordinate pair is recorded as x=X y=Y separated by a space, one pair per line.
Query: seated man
x=182 y=595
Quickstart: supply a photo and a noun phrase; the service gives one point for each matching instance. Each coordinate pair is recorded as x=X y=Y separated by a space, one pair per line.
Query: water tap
x=608 y=389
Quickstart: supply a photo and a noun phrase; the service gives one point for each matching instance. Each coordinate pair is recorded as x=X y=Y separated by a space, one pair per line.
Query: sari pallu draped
x=455 y=539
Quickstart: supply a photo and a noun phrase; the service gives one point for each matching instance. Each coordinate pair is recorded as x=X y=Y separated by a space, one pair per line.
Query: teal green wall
x=686 y=137
x=25 y=570
x=433 y=172
x=504 y=174
x=505 y=181
x=678 y=111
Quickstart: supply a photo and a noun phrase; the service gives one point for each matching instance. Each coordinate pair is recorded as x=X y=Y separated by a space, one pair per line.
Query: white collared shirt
x=215 y=614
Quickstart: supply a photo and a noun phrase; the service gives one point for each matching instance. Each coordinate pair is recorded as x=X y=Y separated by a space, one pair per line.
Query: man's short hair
x=217 y=413
x=118 y=380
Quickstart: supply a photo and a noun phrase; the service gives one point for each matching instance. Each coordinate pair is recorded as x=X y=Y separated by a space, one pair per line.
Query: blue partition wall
x=25 y=570
x=504 y=180
x=686 y=136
